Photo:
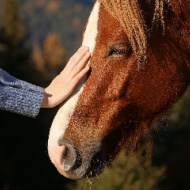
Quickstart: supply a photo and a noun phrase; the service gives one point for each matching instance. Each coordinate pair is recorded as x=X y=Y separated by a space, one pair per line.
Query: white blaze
x=61 y=120
x=91 y=32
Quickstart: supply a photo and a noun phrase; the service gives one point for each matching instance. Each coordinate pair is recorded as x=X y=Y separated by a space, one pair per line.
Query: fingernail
x=82 y=47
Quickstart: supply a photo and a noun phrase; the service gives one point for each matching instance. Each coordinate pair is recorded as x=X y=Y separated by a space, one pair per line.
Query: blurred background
x=37 y=37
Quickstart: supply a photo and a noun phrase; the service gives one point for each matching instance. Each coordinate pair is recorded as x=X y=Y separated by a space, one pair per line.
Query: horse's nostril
x=71 y=156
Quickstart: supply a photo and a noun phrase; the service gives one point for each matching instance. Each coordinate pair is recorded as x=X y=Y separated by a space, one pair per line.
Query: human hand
x=64 y=84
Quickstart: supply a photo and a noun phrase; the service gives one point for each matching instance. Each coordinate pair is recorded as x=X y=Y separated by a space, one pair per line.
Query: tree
x=13 y=32
x=51 y=58
x=54 y=53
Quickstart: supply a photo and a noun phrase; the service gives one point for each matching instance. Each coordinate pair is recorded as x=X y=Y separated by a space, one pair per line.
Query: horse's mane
x=129 y=14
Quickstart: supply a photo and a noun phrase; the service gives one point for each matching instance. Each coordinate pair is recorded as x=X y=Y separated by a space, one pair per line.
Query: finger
x=69 y=65
x=81 y=64
x=81 y=74
x=78 y=56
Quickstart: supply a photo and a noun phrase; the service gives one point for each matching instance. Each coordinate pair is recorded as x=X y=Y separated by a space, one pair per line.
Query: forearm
x=19 y=96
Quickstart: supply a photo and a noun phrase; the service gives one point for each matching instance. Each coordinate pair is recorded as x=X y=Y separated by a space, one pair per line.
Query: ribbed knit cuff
x=19 y=96
x=24 y=101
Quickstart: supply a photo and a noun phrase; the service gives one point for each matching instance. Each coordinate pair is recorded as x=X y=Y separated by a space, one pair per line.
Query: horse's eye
x=120 y=49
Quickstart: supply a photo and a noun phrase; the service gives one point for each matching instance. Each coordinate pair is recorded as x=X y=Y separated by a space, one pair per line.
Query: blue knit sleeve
x=19 y=96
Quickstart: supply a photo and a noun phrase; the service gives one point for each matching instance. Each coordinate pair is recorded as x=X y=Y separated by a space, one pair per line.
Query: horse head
x=139 y=68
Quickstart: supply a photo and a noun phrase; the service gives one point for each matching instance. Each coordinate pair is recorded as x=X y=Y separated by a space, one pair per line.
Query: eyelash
x=119 y=51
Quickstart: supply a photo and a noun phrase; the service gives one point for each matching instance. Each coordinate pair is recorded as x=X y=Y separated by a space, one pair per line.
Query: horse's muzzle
x=74 y=166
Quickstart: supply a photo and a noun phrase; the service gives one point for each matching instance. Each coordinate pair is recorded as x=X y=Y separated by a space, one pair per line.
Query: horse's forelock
x=129 y=14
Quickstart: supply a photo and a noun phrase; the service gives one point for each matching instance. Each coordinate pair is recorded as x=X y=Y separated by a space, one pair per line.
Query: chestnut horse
x=140 y=66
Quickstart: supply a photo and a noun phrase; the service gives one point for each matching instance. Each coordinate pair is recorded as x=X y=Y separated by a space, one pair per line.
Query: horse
x=140 y=67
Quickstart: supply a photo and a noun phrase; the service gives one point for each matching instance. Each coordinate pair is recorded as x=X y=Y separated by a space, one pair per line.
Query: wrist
x=46 y=100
